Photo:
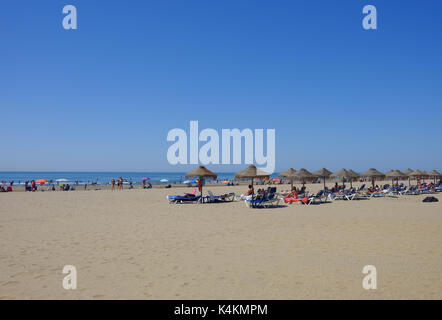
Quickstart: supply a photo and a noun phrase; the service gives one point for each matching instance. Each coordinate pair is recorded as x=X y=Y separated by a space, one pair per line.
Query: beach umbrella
x=62 y=180
x=201 y=172
x=164 y=180
x=343 y=173
x=189 y=181
x=303 y=174
x=435 y=174
x=417 y=174
x=354 y=175
x=395 y=175
x=251 y=172
x=323 y=174
x=373 y=174
x=424 y=175
x=41 y=181
x=288 y=174
x=407 y=173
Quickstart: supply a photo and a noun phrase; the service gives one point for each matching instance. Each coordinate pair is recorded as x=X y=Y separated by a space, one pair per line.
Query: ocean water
x=102 y=177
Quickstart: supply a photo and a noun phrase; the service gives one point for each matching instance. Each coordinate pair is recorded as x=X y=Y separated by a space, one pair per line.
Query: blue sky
x=104 y=96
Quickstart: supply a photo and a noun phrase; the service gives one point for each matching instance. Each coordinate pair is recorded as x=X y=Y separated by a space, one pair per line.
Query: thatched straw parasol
x=289 y=174
x=201 y=172
x=416 y=174
x=251 y=172
x=353 y=175
x=424 y=175
x=341 y=174
x=407 y=173
x=434 y=174
x=373 y=174
x=323 y=174
x=395 y=175
x=303 y=174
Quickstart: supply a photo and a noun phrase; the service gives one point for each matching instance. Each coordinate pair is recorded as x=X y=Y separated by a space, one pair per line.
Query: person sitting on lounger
x=248 y=194
x=294 y=197
x=293 y=194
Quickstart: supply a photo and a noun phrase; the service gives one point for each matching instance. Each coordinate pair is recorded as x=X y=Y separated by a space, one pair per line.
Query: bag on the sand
x=430 y=199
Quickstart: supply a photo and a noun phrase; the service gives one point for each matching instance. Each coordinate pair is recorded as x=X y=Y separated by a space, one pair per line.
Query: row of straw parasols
x=372 y=173
x=252 y=172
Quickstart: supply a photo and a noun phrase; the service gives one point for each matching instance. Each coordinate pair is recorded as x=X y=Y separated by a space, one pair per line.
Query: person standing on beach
x=26 y=185
x=113 y=183
x=120 y=183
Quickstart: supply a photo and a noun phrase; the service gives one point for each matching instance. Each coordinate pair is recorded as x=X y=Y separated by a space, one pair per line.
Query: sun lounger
x=304 y=200
x=344 y=195
x=183 y=199
x=413 y=190
x=211 y=198
x=319 y=196
x=268 y=199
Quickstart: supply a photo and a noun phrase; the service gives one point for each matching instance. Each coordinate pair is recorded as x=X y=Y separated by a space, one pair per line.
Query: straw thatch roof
x=395 y=174
x=434 y=173
x=372 y=173
x=322 y=173
x=416 y=173
x=201 y=171
x=290 y=173
x=353 y=174
x=425 y=173
x=303 y=174
x=251 y=172
x=408 y=171
x=341 y=174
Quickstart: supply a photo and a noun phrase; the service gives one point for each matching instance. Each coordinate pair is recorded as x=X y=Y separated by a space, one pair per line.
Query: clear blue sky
x=104 y=96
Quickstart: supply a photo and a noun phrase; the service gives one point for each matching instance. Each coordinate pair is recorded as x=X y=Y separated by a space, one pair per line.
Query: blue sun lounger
x=183 y=199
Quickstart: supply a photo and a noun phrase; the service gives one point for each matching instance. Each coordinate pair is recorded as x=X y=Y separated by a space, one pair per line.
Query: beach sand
x=132 y=244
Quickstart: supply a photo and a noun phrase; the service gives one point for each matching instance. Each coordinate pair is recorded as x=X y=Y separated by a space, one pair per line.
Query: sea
x=103 y=178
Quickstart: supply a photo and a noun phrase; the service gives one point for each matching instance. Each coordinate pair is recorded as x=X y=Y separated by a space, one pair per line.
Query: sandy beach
x=133 y=244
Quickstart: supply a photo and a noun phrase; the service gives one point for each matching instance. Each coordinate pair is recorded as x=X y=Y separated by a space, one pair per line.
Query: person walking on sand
x=113 y=183
x=120 y=183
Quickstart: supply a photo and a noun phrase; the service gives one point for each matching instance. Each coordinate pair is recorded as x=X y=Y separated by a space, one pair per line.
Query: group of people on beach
x=119 y=183
x=5 y=188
